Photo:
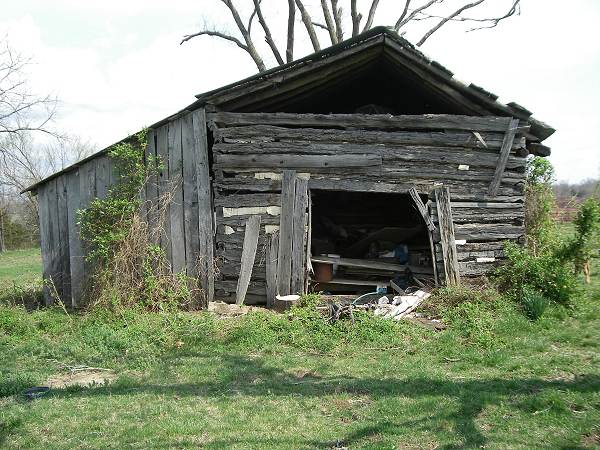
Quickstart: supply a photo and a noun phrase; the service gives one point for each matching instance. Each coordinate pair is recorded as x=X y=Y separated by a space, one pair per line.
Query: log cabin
x=360 y=167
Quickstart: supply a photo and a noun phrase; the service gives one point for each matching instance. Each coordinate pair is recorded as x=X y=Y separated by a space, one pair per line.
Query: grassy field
x=20 y=266
x=493 y=380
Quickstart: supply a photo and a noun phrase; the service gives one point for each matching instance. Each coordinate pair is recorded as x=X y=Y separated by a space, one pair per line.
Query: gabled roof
x=277 y=85
x=474 y=99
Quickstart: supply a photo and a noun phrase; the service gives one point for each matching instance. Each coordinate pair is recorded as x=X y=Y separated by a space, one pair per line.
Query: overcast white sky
x=117 y=65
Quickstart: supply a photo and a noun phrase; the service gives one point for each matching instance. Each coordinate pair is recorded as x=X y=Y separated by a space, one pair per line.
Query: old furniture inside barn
x=361 y=166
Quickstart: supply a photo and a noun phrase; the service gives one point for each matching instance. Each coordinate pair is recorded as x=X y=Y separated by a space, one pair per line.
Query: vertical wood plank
x=507 y=143
x=56 y=285
x=190 y=196
x=286 y=229
x=152 y=188
x=164 y=190
x=45 y=240
x=75 y=249
x=205 y=208
x=102 y=176
x=87 y=192
x=271 y=267
x=299 y=237
x=176 y=207
x=446 y=224
x=63 y=235
x=248 y=255
x=309 y=268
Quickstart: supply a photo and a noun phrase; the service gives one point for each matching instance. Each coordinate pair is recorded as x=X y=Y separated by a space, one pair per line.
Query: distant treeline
x=570 y=195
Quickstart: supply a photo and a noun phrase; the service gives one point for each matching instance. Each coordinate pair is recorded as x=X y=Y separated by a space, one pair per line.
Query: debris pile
x=395 y=308
x=400 y=306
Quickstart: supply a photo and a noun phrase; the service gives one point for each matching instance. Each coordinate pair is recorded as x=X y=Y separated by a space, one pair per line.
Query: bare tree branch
x=337 y=17
x=329 y=23
x=247 y=38
x=446 y=19
x=371 y=15
x=248 y=47
x=356 y=18
x=493 y=22
x=267 y=31
x=404 y=19
x=20 y=110
x=289 y=53
x=411 y=11
x=307 y=20
x=251 y=19
x=218 y=34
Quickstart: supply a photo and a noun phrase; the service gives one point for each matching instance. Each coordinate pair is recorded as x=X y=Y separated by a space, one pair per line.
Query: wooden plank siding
x=182 y=147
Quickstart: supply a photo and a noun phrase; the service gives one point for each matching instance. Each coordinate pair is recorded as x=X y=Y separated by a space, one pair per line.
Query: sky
x=117 y=66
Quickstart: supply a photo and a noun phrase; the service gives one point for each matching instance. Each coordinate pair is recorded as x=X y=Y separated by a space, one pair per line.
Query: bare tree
x=20 y=110
x=23 y=163
x=435 y=14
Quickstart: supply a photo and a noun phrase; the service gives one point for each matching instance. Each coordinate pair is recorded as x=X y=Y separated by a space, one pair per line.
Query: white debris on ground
x=401 y=305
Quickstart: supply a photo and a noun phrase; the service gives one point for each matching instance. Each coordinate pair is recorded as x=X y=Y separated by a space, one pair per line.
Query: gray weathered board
x=248 y=255
x=446 y=227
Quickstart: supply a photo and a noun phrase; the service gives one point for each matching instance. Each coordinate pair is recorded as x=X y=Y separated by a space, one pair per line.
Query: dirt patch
x=223 y=309
x=83 y=378
x=591 y=440
x=301 y=373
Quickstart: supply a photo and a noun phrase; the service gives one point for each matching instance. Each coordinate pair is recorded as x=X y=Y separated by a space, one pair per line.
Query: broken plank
x=248 y=256
x=446 y=226
x=421 y=208
x=509 y=138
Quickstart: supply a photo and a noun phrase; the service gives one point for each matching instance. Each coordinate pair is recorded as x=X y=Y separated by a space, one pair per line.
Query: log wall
x=366 y=153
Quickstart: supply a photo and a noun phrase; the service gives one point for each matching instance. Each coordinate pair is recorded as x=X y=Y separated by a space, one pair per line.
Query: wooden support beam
x=286 y=229
x=507 y=144
x=368 y=264
x=248 y=256
x=365 y=121
x=298 y=239
x=205 y=208
x=446 y=225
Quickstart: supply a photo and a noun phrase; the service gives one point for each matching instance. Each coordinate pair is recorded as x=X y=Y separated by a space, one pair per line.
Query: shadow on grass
x=252 y=377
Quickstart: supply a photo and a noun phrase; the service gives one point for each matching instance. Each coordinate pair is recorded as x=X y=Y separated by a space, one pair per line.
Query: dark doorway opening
x=364 y=241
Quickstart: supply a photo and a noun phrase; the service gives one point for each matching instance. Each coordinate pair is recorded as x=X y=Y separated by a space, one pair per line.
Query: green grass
x=21 y=278
x=494 y=379
x=20 y=266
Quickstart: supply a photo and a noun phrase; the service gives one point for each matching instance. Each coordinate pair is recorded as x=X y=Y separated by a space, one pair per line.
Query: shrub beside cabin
x=364 y=164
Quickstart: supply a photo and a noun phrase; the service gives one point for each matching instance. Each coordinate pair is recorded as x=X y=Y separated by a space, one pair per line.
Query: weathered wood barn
x=350 y=169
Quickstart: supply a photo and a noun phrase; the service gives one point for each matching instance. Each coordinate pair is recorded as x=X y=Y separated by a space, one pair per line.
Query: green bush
x=579 y=249
x=546 y=274
x=305 y=327
x=539 y=203
x=533 y=303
